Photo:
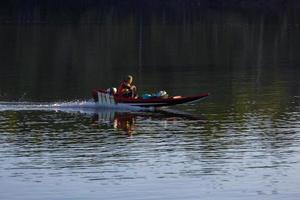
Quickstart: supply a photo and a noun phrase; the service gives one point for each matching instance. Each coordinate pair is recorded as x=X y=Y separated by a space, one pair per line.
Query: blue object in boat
x=147 y=96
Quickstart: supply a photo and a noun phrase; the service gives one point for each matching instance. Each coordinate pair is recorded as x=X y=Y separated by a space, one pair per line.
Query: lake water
x=242 y=142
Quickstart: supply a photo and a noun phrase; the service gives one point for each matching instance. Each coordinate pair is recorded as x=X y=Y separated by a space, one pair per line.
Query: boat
x=107 y=99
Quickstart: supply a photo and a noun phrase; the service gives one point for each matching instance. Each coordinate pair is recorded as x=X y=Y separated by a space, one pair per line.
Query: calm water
x=243 y=142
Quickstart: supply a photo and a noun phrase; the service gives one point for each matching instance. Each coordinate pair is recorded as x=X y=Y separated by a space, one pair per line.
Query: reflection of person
x=126 y=89
x=125 y=122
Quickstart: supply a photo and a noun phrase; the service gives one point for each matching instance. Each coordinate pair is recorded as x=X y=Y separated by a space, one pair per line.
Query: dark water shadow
x=127 y=121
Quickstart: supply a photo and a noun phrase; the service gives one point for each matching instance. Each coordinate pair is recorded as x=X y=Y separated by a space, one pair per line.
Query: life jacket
x=122 y=89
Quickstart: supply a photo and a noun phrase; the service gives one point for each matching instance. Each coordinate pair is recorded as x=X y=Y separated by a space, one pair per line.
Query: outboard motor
x=111 y=91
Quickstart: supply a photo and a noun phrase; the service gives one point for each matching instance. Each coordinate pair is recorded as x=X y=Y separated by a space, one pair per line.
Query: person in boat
x=127 y=89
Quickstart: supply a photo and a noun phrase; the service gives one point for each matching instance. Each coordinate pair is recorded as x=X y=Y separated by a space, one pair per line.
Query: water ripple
x=107 y=147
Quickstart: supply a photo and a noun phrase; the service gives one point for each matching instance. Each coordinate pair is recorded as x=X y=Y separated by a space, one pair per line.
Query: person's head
x=129 y=79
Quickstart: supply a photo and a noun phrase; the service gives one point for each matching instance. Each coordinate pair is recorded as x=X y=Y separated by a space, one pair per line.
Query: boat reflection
x=128 y=121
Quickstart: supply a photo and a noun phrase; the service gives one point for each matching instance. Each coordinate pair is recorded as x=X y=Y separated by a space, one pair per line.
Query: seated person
x=126 y=89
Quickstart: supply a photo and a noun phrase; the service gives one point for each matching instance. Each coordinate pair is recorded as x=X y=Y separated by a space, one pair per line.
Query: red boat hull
x=102 y=97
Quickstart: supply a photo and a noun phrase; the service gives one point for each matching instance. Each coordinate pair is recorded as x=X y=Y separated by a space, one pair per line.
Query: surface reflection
x=127 y=121
x=108 y=147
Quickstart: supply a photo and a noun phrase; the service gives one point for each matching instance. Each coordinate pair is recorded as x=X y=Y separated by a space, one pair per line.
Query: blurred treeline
x=56 y=49
x=93 y=11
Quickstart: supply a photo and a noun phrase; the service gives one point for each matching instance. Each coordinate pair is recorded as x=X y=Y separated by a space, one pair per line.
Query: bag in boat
x=160 y=94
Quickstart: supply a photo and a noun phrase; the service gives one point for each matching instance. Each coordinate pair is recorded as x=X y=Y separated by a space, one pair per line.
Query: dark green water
x=240 y=143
